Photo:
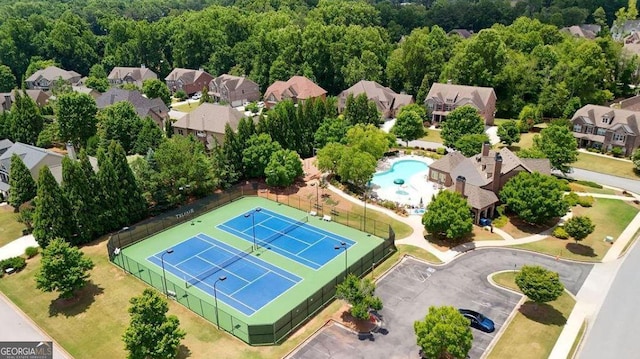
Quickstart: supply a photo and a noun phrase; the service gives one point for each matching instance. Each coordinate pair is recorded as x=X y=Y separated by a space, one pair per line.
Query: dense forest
x=336 y=43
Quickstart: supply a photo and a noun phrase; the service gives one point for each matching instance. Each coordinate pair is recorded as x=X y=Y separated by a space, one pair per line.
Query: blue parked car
x=478 y=320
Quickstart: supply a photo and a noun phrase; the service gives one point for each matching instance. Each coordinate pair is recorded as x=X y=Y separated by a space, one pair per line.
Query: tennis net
x=283 y=232
x=193 y=280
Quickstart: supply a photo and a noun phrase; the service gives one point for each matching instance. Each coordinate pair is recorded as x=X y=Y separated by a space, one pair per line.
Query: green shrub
x=565 y=185
x=560 y=233
x=180 y=95
x=500 y=221
x=17 y=263
x=441 y=151
x=31 y=252
x=585 y=201
x=572 y=199
x=589 y=184
x=501 y=209
x=616 y=152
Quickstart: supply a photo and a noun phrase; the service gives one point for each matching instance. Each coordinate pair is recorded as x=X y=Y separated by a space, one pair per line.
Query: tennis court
x=250 y=283
x=295 y=239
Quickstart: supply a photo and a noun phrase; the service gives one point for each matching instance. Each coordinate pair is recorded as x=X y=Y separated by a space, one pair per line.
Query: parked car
x=478 y=320
x=197 y=96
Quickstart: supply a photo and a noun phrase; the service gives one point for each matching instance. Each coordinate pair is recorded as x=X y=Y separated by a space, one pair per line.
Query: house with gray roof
x=33 y=157
x=234 y=90
x=7 y=99
x=387 y=101
x=444 y=98
x=481 y=177
x=463 y=33
x=130 y=75
x=604 y=128
x=190 y=81
x=619 y=32
x=44 y=79
x=207 y=123
x=584 y=31
x=145 y=107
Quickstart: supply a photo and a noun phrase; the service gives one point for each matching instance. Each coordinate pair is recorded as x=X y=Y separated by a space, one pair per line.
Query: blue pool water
x=403 y=169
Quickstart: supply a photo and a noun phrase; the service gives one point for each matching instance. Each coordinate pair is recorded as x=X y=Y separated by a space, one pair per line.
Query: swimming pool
x=405 y=182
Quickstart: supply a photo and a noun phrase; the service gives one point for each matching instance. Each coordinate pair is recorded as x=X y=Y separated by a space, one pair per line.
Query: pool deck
x=417 y=186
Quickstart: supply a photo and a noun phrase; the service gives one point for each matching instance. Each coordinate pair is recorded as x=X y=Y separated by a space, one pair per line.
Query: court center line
x=257 y=224
x=222 y=268
x=258 y=264
x=193 y=255
x=249 y=283
x=314 y=243
x=313 y=228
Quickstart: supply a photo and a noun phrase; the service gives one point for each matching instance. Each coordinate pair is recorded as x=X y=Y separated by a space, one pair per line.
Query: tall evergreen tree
x=113 y=215
x=53 y=217
x=149 y=137
x=360 y=110
x=128 y=190
x=23 y=187
x=94 y=189
x=77 y=190
x=76 y=115
x=232 y=151
x=26 y=121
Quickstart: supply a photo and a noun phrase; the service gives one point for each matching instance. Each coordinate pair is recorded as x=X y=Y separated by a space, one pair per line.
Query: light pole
x=164 y=277
x=253 y=225
x=343 y=245
x=215 y=297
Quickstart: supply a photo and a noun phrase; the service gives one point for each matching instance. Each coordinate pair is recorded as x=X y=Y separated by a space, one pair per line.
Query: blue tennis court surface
x=251 y=282
x=296 y=240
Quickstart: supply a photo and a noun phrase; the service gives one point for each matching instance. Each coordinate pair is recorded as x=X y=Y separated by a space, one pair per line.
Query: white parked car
x=196 y=96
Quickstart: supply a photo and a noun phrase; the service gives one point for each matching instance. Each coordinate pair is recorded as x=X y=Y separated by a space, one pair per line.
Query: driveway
x=609 y=180
x=412 y=286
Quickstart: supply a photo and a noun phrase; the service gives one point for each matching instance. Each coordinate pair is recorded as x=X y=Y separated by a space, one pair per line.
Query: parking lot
x=411 y=287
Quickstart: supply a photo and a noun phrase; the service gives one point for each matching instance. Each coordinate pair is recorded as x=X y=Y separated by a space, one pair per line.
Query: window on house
x=606 y=120
x=589 y=129
x=434 y=175
x=601 y=131
x=577 y=127
x=619 y=137
x=430 y=105
x=447 y=107
x=180 y=132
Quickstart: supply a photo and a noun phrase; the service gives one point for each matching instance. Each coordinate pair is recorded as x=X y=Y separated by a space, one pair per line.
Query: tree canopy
x=76 y=115
x=409 y=126
x=579 y=227
x=23 y=187
x=444 y=333
x=461 y=121
x=64 y=269
x=360 y=294
x=557 y=144
x=448 y=215
x=539 y=284
x=534 y=197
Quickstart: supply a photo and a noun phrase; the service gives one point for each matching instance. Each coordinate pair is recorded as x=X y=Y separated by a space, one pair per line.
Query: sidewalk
x=17 y=247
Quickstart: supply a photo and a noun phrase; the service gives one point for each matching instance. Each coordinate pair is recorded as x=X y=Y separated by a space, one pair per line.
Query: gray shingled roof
x=136 y=73
x=593 y=114
x=31 y=156
x=53 y=73
x=384 y=97
x=142 y=104
x=188 y=76
x=461 y=95
x=478 y=197
x=210 y=117
x=448 y=162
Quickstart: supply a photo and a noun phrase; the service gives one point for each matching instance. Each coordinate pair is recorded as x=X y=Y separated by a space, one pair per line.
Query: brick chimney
x=497 y=167
x=485 y=149
x=460 y=183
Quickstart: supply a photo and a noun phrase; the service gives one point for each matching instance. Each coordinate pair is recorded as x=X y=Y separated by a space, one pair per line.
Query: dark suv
x=478 y=320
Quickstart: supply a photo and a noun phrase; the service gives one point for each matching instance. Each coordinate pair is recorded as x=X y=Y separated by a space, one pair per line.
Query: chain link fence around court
x=254 y=334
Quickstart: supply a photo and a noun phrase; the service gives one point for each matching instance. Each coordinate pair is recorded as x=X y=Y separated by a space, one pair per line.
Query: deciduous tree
x=149 y=137
x=76 y=115
x=121 y=123
x=26 y=121
x=360 y=294
x=461 y=121
x=152 y=334
x=534 y=197
x=558 y=145
x=155 y=88
x=23 y=187
x=470 y=145
x=257 y=154
x=408 y=126
x=448 y=215
x=539 y=284
x=331 y=130
x=64 y=269
x=579 y=227
x=360 y=110
x=7 y=79
x=371 y=139
x=444 y=333
x=509 y=132
x=356 y=166
x=283 y=168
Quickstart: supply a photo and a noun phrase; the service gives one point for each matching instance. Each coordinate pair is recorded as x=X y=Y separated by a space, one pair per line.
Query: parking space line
x=498 y=296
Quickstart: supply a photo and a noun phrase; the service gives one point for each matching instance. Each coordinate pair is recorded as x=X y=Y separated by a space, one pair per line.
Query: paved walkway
x=17 y=247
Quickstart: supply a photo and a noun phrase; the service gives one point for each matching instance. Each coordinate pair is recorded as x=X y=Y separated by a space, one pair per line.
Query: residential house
x=603 y=127
x=619 y=32
x=190 y=81
x=481 y=177
x=444 y=98
x=87 y=91
x=234 y=90
x=33 y=157
x=463 y=33
x=207 y=123
x=632 y=43
x=387 y=101
x=7 y=99
x=297 y=89
x=4 y=145
x=44 y=79
x=152 y=108
x=130 y=75
x=584 y=31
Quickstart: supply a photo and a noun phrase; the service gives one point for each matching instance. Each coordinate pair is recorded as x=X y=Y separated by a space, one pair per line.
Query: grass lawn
x=432 y=136
x=534 y=330
x=10 y=228
x=576 y=187
x=526 y=141
x=106 y=299
x=187 y=107
x=606 y=165
x=610 y=216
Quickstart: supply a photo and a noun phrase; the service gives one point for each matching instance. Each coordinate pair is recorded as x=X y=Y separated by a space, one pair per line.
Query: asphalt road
x=413 y=286
x=613 y=181
x=16 y=327
x=613 y=334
